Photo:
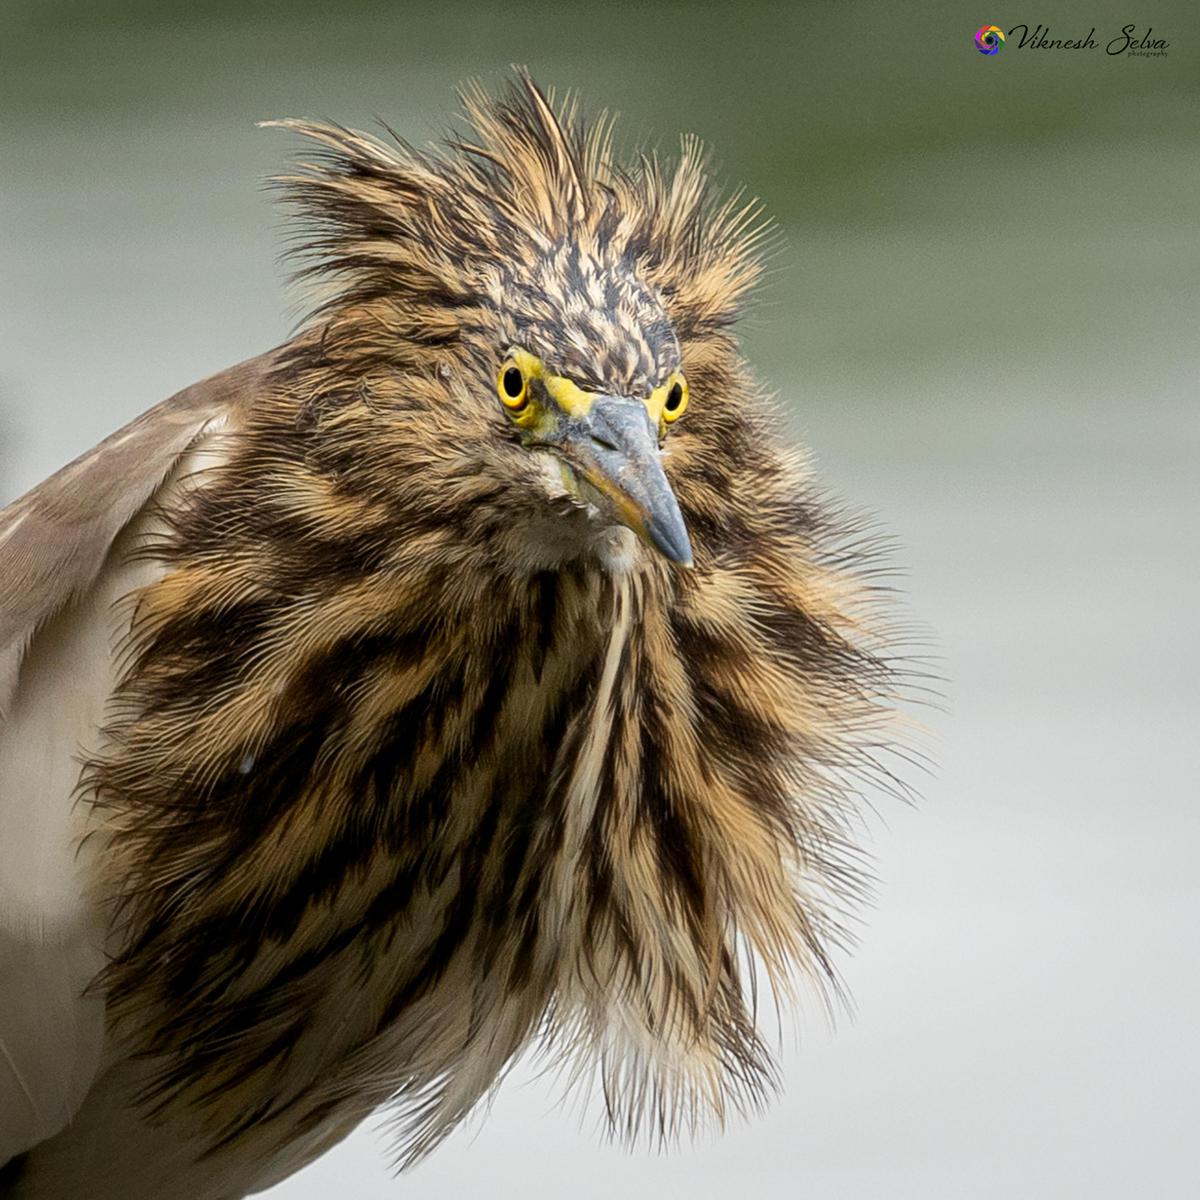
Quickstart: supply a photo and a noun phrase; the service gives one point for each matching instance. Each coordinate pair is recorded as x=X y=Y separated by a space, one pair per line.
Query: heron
x=479 y=673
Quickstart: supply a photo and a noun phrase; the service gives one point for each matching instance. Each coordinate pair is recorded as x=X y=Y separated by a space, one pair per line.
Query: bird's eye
x=512 y=387
x=677 y=399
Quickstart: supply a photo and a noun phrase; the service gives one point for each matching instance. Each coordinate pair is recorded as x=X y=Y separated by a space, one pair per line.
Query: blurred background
x=984 y=322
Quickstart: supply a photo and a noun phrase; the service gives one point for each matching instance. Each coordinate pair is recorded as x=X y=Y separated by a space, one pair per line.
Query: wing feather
x=63 y=567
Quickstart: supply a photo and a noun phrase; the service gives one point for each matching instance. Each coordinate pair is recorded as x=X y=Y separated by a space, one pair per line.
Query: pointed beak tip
x=672 y=543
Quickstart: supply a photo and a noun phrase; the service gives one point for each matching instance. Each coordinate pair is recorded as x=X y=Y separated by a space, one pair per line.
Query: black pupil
x=674 y=397
x=513 y=383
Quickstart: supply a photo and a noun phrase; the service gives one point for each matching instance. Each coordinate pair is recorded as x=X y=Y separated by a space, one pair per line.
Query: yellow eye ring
x=676 y=400
x=512 y=387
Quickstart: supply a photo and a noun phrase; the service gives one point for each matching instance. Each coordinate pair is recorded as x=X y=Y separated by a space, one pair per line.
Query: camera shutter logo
x=989 y=39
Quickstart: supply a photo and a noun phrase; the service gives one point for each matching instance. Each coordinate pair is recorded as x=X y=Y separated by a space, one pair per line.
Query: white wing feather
x=51 y=945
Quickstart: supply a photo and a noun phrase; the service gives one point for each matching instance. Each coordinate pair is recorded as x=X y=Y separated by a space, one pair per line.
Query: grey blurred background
x=984 y=322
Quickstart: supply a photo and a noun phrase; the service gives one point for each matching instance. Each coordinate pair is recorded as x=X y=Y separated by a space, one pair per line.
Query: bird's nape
x=495 y=674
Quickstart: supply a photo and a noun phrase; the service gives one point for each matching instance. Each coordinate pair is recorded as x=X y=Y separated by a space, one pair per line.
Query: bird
x=480 y=673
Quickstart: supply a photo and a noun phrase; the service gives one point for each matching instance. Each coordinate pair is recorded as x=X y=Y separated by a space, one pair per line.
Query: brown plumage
x=425 y=739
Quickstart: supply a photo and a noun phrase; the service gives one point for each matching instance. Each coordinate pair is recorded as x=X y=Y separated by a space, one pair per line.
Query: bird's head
x=520 y=327
x=596 y=388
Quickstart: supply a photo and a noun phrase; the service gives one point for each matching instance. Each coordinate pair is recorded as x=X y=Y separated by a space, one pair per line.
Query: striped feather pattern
x=413 y=763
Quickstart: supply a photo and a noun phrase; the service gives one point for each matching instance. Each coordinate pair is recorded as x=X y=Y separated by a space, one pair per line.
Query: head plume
x=441 y=233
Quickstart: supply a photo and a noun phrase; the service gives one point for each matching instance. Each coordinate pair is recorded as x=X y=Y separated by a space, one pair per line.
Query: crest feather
x=378 y=217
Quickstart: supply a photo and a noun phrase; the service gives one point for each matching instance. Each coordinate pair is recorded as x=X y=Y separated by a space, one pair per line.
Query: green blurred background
x=984 y=322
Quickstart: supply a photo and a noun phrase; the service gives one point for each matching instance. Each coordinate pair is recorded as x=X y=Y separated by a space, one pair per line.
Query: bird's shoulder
x=54 y=540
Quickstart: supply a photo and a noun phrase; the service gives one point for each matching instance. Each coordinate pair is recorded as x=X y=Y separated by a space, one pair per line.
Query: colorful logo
x=989 y=39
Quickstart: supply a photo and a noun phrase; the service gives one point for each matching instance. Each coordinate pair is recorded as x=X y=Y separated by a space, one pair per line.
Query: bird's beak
x=613 y=447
